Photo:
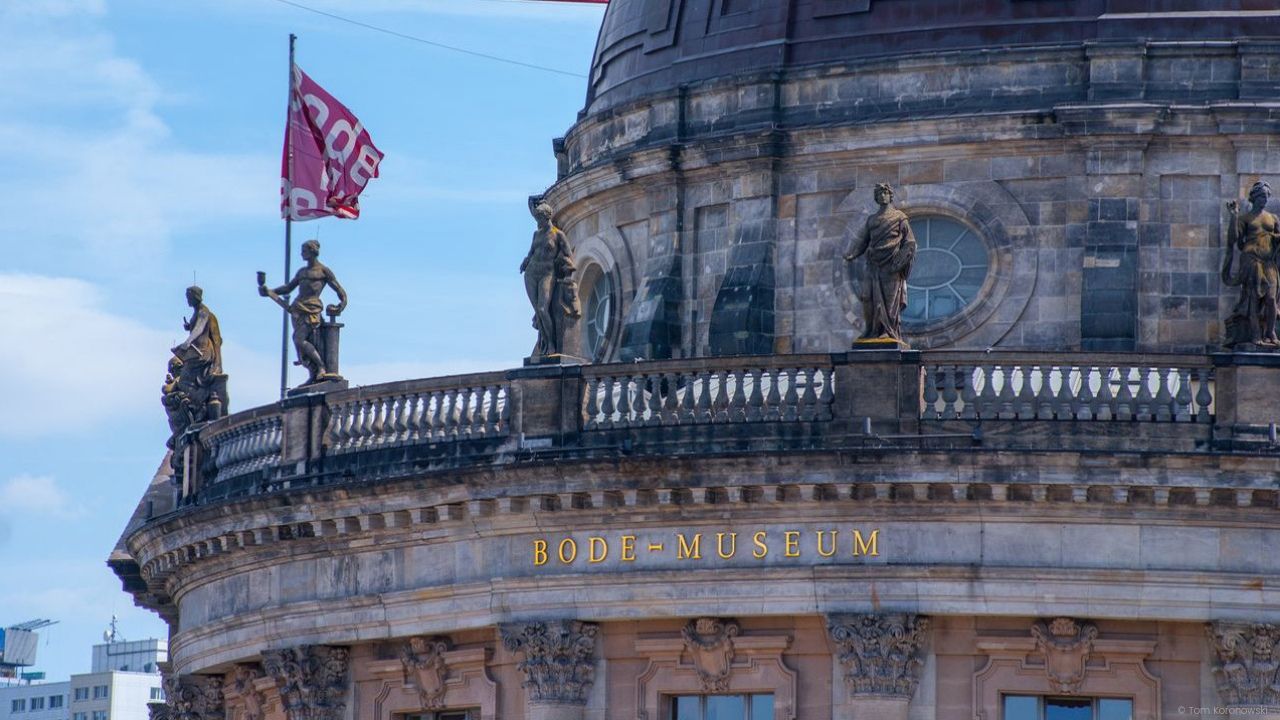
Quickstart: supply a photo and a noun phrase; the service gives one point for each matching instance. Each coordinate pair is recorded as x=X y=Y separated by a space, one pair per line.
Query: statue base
x=1248 y=347
x=555 y=359
x=880 y=343
x=324 y=385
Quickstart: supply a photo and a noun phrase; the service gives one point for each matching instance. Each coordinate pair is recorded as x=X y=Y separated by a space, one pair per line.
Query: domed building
x=1059 y=503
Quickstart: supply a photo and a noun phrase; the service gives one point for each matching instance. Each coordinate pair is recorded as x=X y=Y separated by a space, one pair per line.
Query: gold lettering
x=792 y=539
x=689 y=551
x=628 y=548
x=733 y=545
x=870 y=547
x=573 y=550
x=539 y=553
x=597 y=543
x=761 y=549
x=823 y=551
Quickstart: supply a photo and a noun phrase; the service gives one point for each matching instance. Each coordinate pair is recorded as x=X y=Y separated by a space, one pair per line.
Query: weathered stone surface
x=1246 y=663
x=882 y=654
x=557 y=658
x=312 y=680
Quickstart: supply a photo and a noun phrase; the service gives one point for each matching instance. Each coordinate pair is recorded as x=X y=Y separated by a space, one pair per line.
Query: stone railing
x=847 y=401
x=780 y=388
x=1011 y=386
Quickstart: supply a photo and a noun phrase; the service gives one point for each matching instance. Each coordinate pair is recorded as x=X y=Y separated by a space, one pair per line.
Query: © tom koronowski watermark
x=1235 y=710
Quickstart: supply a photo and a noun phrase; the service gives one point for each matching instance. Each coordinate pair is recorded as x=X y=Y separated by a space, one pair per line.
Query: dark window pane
x=951 y=263
x=686 y=708
x=726 y=707
x=1115 y=710
x=1019 y=707
x=1068 y=709
x=761 y=707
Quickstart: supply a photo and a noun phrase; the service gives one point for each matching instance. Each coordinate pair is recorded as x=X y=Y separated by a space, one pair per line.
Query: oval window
x=949 y=271
x=598 y=313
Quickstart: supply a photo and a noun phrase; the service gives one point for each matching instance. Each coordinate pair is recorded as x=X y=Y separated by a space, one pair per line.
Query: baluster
x=1204 y=396
x=1182 y=411
x=1006 y=396
x=670 y=412
x=1106 y=398
x=1124 y=399
x=717 y=383
x=1044 y=395
x=624 y=401
x=1164 y=408
x=738 y=401
x=950 y=392
x=755 y=398
x=1062 y=398
x=358 y=423
x=967 y=382
x=350 y=424
x=689 y=400
x=988 y=398
x=703 y=413
x=593 y=403
x=1026 y=395
x=652 y=405
x=773 y=398
x=449 y=414
x=607 y=407
x=1084 y=402
x=395 y=420
x=929 y=393
x=418 y=417
x=828 y=392
x=791 y=400
x=493 y=417
x=436 y=420
x=335 y=425
x=809 y=401
x=1143 y=401
x=380 y=409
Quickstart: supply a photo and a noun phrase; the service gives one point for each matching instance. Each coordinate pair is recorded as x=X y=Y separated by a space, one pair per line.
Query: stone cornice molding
x=1246 y=662
x=557 y=657
x=312 y=680
x=881 y=654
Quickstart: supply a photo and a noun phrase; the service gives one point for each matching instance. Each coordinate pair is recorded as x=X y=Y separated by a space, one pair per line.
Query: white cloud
x=36 y=495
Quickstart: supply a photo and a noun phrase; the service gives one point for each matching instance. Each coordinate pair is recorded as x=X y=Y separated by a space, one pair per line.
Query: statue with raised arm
x=195 y=389
x=314 y=340
x=890 y=249
x=1256 y=235
x=549 y=280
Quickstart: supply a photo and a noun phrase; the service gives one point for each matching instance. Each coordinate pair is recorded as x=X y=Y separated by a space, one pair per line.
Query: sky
x=142 y=150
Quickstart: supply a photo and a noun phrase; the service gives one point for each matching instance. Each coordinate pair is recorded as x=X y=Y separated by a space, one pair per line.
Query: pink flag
x=328 y=155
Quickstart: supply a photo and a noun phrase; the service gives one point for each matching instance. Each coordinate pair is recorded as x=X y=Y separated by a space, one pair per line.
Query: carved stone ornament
x=557 y=658
x=709 y=644
x=1066 y=645
x=1247 y=666
x=189 y=697
x=252 y=701
x=425 y=668
x=881 y=654
x=312 y=680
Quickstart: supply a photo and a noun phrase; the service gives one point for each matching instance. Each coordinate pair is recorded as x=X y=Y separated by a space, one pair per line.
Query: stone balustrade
x=858 y=400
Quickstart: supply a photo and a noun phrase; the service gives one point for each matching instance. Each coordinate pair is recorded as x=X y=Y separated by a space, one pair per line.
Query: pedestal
x=540 y=711
x=880 y=382
x=1246 y=386
x=553 y=360
x=321 y=386
x=329 y=342
x=873 y=708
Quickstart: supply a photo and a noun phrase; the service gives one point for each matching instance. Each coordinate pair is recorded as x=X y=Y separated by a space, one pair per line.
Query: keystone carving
x=882 y=655
x=557 y=658
x=1247 y=662
x=709 y=643
x=312 y=680
x=425 y=669
x=1066 y=645
x=253 y=702
x=189 y=697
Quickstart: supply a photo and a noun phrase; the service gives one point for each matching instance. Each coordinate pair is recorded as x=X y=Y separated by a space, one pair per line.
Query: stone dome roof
x=650 y=46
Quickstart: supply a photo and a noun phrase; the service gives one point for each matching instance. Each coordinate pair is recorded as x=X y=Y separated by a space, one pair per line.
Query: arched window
x=597 y=311
x=950 y=270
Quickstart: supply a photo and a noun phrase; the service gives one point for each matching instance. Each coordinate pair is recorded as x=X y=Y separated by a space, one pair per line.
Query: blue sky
x=142 y=143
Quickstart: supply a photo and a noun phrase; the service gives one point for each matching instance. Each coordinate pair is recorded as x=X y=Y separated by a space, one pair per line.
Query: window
x=722 y=707
x=1028 y=707
x=82 y=693
x=55 y=701
x=949 y=271
x=597 y=312
x=157 y=693
x=100 y=691
x=79 y=716
x=37 y=703
x=19 y=705
x=99 y=715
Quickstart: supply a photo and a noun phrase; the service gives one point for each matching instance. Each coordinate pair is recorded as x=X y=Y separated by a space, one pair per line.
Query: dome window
x=949 y=273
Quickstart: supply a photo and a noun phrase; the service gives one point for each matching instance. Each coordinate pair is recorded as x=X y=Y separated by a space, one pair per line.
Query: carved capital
x=1247 y=662
x=709 y=644
x=253 y=702
x=1066 y=645
x=312 y=680
x=189 y=697
x=557 y=658
x=425 y=668
x=882 y=655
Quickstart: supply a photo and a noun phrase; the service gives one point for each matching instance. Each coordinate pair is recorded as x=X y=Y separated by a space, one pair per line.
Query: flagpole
x=288 y=229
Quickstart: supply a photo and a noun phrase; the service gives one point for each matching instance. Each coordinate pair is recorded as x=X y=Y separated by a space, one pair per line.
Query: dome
x=648 y=46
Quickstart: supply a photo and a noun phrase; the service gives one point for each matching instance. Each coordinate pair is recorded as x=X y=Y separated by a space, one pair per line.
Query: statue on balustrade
x=195 y=389
x=314 y=339
x=890 y=249
x=549 y=280
x=1256 y=235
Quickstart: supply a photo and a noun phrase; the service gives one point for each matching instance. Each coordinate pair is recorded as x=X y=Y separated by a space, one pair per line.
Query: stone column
x=558 y=659
x=881 y=656
x=189 y=697
x=312 y=680
x=1244 y=665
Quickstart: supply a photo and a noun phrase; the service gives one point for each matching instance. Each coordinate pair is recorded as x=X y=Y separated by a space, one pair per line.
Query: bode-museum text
x=708 y=546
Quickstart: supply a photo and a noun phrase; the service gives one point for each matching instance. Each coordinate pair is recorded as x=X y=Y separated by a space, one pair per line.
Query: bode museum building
x=897 y=359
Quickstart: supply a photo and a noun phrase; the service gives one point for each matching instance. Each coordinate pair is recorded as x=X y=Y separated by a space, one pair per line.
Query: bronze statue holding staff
x=305 y=312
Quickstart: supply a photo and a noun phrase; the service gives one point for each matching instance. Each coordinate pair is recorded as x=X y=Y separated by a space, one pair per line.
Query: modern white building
x=123 y=678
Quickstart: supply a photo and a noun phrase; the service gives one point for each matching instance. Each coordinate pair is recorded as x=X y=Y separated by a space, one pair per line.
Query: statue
x=890 y=248
x=195 y=389
x=315 y=340
x=549 y=280
x=1252 y=321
